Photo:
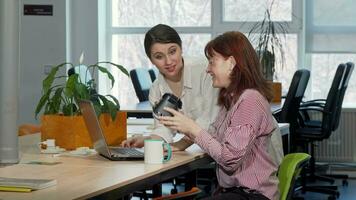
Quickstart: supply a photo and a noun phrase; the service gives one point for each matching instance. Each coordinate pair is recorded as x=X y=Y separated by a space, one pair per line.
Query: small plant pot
x=277 y=92
x=70 y=132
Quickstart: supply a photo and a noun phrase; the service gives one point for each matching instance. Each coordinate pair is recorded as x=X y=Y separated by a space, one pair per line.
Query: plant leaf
x=70 y=85
x=57 y=99
x=112 y=108
x=108 y=107
x=42 y=102
x=48 y=81
x=120 y=67
x=81 y=91
x=69 y=109
x=115 y=100
x=105 y=71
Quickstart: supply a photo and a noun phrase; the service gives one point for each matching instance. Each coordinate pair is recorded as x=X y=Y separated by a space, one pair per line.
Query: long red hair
x=247 y=72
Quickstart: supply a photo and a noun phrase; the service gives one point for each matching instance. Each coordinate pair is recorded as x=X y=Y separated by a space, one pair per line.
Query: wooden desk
x=139 y=110
x=94 y=176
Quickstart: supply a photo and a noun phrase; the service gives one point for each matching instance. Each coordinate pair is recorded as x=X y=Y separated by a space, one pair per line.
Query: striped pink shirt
x=238 y=141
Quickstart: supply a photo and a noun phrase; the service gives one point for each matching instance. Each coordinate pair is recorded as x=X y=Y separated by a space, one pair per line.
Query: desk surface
x=142 y=107
x=93 y=176
x=145 y=107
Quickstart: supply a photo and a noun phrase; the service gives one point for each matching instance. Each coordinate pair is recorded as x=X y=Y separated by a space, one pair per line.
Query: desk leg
x=157 y=190
x=191 y=180
x=286 y=144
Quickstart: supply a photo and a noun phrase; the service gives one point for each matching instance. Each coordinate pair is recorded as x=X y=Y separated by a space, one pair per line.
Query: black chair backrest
x=141 y=81
x=345 y=82
x=289 y=112
x=332 y=104
x=153 y=73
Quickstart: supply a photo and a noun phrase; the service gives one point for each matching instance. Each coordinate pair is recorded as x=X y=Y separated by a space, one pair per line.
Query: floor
x=346 y=192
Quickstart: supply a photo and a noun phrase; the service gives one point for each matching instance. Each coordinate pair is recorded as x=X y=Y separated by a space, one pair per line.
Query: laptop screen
x=93 y=126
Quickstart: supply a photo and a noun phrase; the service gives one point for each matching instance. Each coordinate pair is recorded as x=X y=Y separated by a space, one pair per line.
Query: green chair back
x=288 y=171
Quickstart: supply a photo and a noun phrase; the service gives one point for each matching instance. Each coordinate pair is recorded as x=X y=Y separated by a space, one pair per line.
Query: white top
x=199 y=98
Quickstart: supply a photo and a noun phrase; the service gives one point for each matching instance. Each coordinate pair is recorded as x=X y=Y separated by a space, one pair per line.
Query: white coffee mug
x=154 y=151
x=51 y=143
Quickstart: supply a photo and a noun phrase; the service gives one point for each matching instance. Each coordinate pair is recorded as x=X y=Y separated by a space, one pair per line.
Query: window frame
x=218 y=26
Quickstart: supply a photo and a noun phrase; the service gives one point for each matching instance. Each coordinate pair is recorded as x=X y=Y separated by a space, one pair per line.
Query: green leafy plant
x=267 y=35
x=63 y=98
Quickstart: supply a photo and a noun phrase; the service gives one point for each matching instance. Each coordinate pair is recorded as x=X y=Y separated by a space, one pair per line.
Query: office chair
x=289 y=111
x=153 y=73
x=321 y=102
x=308 y=135
x=142 y=82
x=289 y=170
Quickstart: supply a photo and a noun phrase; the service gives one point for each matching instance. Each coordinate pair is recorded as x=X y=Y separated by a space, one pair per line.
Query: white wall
x=48 y=40
x=42 y=42
x=83 y=30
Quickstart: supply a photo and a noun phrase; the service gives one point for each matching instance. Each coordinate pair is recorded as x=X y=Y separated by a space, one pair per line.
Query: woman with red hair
x=239 y=138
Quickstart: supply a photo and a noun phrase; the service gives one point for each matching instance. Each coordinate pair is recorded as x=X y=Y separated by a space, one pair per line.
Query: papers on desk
x=25 y=185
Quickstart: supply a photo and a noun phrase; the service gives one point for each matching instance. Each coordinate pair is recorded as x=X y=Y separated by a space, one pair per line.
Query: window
x=330 y=40
x=197 y=21
x=324 y=67
x=281 y=11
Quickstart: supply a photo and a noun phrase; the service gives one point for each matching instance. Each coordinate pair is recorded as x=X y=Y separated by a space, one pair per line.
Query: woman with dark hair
x=239 y=138
x=185 y=78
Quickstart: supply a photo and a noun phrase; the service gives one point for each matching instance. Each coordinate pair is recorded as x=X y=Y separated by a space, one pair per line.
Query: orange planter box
x=277 y=92
x=70 y=132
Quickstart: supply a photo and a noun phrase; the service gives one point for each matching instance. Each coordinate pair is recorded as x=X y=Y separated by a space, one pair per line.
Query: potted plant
x=62 y=120
x=267 y=35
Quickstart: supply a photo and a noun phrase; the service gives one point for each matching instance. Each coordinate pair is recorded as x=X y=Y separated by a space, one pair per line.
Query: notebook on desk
x=98 y=138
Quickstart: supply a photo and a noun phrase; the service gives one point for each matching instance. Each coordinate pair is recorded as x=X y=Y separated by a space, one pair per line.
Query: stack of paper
x=25 y=185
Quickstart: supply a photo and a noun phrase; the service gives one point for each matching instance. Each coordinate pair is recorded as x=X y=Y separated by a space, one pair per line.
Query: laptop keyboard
x=127 y=151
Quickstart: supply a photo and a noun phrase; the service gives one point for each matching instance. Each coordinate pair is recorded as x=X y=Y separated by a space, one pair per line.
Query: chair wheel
x=174 y=191
x=345 y=183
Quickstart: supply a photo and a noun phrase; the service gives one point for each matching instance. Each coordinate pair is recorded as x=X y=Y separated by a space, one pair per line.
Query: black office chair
x=142 y=82
x=289 y=111
x=153 y=73
x=321 y=102
x=307 y=135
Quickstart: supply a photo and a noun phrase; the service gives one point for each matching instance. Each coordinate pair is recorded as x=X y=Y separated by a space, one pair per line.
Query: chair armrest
x=315 y=101
x=310 y=108
x=312 y=104
x=277 y=111
x=277 y=114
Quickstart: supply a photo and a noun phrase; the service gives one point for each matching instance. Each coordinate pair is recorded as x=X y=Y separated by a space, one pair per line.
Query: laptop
x=98 y=138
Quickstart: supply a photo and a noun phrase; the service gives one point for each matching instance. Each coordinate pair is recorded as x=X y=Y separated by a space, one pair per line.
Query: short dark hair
x=161 y=33
x=246 y=73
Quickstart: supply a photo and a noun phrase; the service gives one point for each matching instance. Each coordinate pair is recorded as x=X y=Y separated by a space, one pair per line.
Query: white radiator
x=341 y=146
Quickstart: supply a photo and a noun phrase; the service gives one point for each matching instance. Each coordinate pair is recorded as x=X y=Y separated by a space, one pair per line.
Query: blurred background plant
x=268 y=36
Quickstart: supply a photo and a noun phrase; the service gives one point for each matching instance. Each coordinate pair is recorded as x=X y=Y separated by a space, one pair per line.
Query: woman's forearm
x=182 y=144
